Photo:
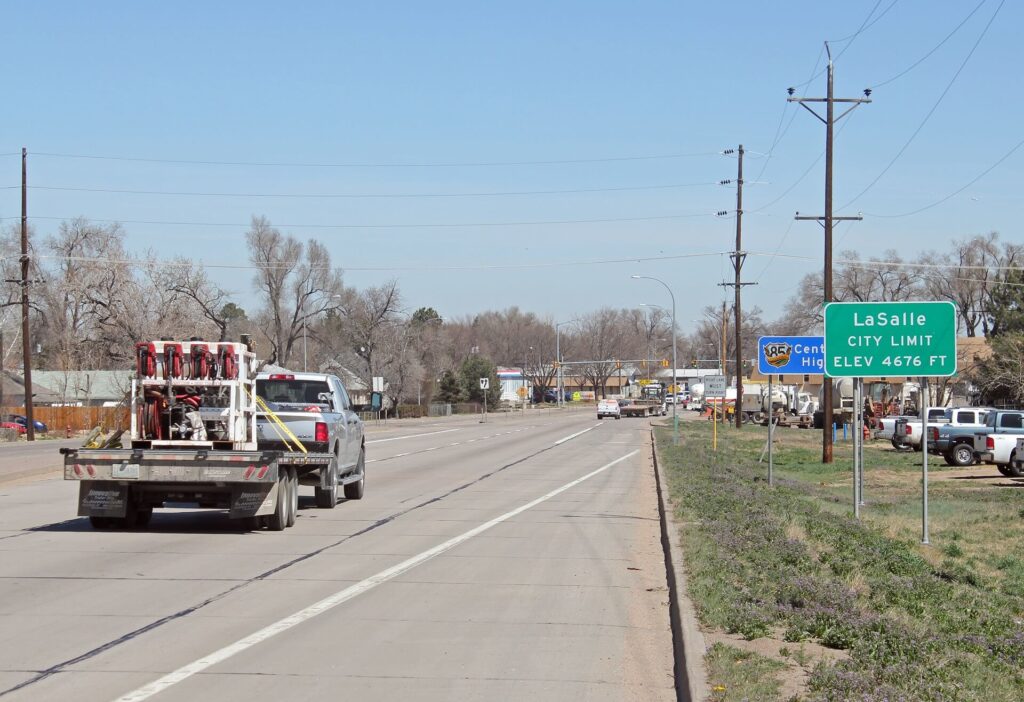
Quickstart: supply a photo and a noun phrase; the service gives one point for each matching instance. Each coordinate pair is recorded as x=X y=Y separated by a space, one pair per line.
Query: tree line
x=92 y=300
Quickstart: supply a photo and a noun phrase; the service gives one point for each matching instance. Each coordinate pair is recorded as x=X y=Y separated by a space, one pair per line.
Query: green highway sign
x=868 y=339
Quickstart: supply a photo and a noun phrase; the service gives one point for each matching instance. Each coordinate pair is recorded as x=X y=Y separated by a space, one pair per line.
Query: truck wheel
x=293 y=495
x=354 y=491
x=1013 y=469
x=143 y=515
x=326 y=498
x=100 y=522
x=279 y=519
x=962 y=455
x=1005 y=470
x=948 y=458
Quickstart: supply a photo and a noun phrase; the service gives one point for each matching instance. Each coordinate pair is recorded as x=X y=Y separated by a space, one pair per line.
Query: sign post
x=485 y=385
x=865 y=339
x=787 y=355
x=714 y=386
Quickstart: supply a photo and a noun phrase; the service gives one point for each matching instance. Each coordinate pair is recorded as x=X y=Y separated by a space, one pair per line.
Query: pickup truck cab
x=954 y=441
x=317 y=410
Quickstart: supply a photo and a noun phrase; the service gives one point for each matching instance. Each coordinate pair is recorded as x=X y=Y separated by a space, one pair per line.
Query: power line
x=956 y=192
x=289 y=264
x=934 y=49
x=899 y=264
x=302 y=164
x=931 y=111
x=185 y=193
x=392 y=226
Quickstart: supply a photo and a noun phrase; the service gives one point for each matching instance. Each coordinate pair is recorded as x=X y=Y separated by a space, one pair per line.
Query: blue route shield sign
x=791 y=355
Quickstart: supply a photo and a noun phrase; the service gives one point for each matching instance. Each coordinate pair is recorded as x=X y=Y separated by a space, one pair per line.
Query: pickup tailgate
x=301 y=423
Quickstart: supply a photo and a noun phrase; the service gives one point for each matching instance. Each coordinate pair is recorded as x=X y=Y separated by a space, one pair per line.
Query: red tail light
x=935 y=434
x=320 y=432
x=990 y=443
x=282 y=376
x=906 y=430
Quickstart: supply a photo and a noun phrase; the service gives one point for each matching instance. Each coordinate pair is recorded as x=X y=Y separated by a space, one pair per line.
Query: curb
x=687 y=638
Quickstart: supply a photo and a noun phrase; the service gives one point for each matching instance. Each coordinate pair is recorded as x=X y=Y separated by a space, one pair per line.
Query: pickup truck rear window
x=292 y=392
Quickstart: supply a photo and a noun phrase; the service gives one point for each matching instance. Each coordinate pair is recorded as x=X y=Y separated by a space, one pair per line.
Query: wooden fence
x=58 y=419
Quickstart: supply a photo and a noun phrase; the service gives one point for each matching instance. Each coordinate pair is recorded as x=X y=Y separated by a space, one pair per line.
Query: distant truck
x=650 y=403
x=206 y=430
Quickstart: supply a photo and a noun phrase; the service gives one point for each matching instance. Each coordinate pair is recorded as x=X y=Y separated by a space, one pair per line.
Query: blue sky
x=469 y=82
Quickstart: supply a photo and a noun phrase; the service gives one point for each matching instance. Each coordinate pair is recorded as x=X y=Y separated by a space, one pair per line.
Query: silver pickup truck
x=316 y=408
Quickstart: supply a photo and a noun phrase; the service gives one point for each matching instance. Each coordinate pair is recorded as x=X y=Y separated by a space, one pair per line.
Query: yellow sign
x=576 y=396
x=644 y=381
x=521 y=392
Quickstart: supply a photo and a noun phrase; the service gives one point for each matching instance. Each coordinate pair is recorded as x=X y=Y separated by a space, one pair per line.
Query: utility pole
x=827 y=220
x=737 y=257
x=26 y=342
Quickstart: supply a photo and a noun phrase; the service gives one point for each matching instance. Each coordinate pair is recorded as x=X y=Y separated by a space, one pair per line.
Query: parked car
x=20 y=428
x=23 y=421
x=608 y=408
x=996 y=443
x=954 y=440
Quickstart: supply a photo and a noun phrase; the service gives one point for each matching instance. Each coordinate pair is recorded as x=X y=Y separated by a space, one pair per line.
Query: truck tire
x=279 y=519
x=961 y=455
x=327 y=498
x=1004 y=470
x=293 y=495
x=354 y=491
x=100 y=522
x=1013 y=469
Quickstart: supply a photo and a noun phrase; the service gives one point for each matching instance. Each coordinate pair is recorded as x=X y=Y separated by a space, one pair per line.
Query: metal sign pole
x=861 y=452
x=856 y=448
x=771 y=433
x=924 y=465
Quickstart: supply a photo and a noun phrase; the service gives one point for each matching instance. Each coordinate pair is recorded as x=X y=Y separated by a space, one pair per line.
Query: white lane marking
x=342 y=596
x=579 y=433
x=410 y=436
x=399 y=455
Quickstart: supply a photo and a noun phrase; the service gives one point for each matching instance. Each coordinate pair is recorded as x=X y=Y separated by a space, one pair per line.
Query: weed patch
x=939 y=624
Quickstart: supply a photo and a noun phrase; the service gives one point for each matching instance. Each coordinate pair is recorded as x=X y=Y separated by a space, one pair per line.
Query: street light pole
x=558 y=358
x=675 y=417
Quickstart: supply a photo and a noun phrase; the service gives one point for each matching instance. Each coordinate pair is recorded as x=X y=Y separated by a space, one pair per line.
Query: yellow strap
x=278 y=425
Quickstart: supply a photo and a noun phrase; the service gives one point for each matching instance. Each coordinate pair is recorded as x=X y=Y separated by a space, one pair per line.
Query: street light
x=558 y=357
x=675 y=417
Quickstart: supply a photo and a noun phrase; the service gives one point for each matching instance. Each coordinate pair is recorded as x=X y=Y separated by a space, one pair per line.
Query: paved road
x=517 y=559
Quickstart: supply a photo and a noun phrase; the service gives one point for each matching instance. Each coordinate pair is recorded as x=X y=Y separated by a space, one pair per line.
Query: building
x=86 y=388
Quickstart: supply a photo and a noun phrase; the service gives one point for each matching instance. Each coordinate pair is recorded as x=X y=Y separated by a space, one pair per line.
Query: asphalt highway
x=509 y=560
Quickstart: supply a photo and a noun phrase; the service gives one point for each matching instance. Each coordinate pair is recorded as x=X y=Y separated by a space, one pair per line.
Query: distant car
x=20 y=428
x=608 y=408
x=23 y=421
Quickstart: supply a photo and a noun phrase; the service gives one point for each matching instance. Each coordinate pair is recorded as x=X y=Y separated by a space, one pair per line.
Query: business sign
x=791 y=355
x=890 y=338
x=378 y=383
x=714 y=386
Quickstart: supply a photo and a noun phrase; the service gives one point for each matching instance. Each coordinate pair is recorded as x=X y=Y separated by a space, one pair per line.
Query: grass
x=939 y=622
x=741 y=675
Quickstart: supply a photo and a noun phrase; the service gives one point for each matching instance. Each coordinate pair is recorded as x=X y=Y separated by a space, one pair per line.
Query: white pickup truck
x=907 y=433
x=998 y=442
x=203 y=433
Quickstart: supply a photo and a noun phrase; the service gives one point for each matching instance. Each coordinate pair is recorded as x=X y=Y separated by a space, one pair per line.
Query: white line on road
x=342 y=596
x=573 y=436
x=410 y=436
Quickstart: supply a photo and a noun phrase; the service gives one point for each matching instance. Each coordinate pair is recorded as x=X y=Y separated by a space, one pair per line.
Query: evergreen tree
x=449 y=389
x=474 y=368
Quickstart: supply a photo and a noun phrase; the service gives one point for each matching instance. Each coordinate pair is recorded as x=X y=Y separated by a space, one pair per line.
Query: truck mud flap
x=253 y=500
x=102 y=499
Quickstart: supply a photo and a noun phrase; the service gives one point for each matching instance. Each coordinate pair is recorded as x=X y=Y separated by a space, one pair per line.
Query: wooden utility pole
x=737 y=257
x=827 y=220
x=26 y=341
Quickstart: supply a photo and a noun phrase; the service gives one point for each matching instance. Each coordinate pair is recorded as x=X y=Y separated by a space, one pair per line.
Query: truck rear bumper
x=114 y=480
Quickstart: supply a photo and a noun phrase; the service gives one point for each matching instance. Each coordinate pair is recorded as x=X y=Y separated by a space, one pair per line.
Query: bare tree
x=297 y=283
x=602 y=337
x=369 y=319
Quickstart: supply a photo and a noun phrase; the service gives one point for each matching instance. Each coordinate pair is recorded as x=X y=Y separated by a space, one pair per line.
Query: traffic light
x=618 y=364
x=556 y=364
x=643 y=363
x=664 y=363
